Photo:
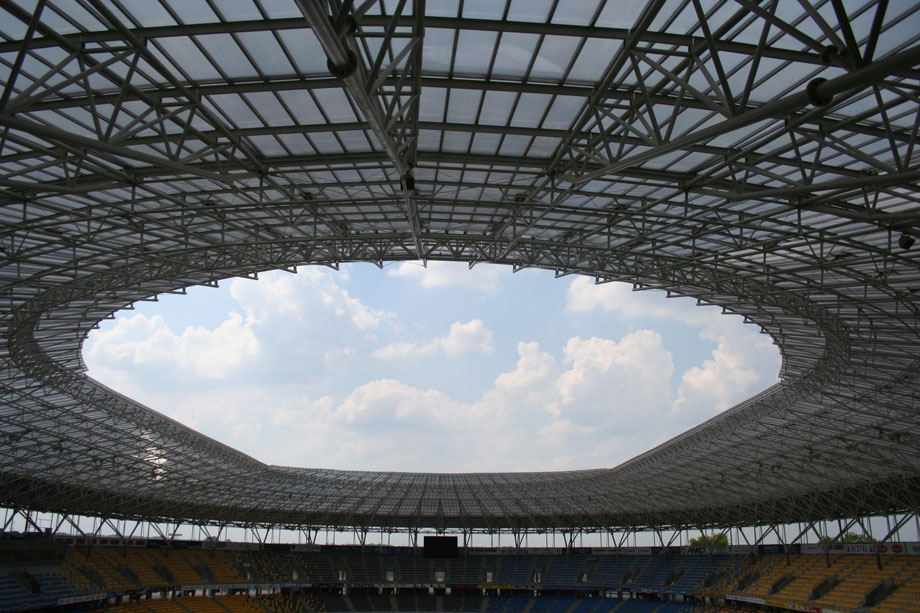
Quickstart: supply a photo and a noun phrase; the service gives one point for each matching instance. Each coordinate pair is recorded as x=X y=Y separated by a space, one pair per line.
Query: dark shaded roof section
x=759 y=156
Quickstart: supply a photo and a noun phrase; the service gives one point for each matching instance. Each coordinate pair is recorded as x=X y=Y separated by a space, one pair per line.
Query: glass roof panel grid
x=270 y=57
x=306 y=51
x=484 y=9
x=432 y=104
x=270 y=109
x=194 y=65
x=68 y=17
x=303 y=105
x=563 y=112
x=240 y=10
x=586 y=69
x=227 y=55
x=334 y=104
x=191 y=11
x=515 y=55
x=576 y=12
x=543 y=146
x=437 y=54
x=280 y=9
x=475 y=50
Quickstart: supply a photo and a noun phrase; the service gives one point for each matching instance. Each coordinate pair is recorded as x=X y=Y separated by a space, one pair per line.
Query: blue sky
x=436 y=368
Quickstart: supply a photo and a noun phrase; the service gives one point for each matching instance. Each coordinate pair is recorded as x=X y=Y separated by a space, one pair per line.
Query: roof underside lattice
x=758 y=155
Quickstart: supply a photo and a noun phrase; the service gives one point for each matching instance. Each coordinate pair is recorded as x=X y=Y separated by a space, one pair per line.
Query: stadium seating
x=281 y=603
x=45 y=587
x=562 y=580
x=905 y=573
x=849 y=578
x=199 y=604
x=239 y=604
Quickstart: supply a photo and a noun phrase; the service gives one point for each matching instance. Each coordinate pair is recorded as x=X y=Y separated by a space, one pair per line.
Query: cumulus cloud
x=399 y=406
x=484 y=278
x=742 y=361
x=522 y=422
x=290 y=383
x=471 y=337
x=272 y=335
x=544 y=413
x=268 y=424
x=292 y=296
x=734 y=372
x=615 y=386
x=196 y=352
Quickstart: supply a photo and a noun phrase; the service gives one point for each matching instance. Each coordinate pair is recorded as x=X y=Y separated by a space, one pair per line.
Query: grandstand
x=154 y=575
x=756 y=155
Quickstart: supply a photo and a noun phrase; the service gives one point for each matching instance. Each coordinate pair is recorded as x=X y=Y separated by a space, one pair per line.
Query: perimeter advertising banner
x=790 y=605
x=694 y=550
x=617 y=551
x=899 y=549
x=887 y=549
x=79 y=599
x=513 y=551
x=778 y=549
x=748 y=599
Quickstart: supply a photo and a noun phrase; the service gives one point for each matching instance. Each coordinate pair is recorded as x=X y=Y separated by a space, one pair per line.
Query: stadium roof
x=758 y=155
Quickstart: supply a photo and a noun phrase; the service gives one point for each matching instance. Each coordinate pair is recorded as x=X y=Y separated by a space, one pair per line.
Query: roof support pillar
x=310 y=532
x=9 y=520
x=361 y=535
x=27 y=515
x=898 y=524
x=114 y=527
x=156 y=528
x=674 y=536
x=74 y=524
x=570 y=537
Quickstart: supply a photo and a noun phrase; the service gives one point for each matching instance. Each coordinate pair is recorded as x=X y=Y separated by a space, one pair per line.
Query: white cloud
x=283 y=320
x=300 y=296
x=484 y=278
x=525 y=395
x=539 y=415
x=196 y=352
x=565 y=402
x=742 y=361
x=614 y=386
x=735 y=371
x=268 y=424
x=398 y=406
x=471 y=337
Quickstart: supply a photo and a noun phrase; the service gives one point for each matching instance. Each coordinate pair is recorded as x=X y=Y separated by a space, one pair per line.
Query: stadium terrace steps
x=202 y=605
x=907 y=595
x=312 y=602
x=280 y=603
x=858 y=575
x=195 y=604
x=33 y=586
x=855 y=576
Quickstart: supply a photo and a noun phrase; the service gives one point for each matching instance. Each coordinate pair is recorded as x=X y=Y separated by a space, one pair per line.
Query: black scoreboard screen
x=440 y=547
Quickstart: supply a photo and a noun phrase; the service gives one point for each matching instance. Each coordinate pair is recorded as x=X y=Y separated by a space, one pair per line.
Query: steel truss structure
x=755 y=154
